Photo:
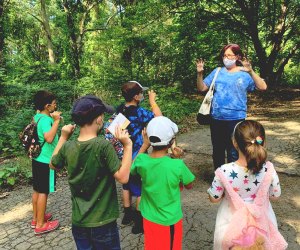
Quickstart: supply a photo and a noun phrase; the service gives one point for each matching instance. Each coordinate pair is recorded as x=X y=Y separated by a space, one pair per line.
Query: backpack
x=118 y=146
x=30 y=139
x=250 y=226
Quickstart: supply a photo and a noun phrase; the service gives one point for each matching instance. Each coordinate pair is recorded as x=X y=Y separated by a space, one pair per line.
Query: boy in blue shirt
x=139 y=117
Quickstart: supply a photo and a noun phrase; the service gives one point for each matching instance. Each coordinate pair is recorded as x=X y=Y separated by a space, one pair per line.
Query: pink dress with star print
x=246 y=185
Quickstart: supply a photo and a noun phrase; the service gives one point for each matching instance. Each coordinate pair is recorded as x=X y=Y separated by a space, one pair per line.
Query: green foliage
x=168 y=102
x=7 y=175
x=289 y=77
x=98 y=45
x=2 y=105
x=19 y=109
x=10 y=127
x=13 y=171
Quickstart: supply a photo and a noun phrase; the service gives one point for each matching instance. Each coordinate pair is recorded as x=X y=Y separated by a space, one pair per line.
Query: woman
x=229 y=105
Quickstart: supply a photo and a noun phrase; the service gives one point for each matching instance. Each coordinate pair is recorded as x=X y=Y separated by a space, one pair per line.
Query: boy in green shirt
x=161 y=179
x=93 y=166
x=43 y=178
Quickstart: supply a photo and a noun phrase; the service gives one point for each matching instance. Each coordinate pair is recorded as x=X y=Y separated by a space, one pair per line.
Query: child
x=43 y=178
x=161 y=178
x=92 y=165
x=139 y=117
x=245 y=217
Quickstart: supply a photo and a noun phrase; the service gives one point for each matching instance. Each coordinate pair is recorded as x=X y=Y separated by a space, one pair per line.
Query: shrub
x=13 y=171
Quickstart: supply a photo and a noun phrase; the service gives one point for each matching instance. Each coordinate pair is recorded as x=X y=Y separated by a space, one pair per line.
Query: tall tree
x=2 y=34
x=77 y=18
x=271 y=25
x=46 y=26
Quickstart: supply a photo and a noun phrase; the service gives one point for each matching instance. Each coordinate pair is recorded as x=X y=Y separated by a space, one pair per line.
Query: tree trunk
x=127 y=59
x=73 y=40
x=46 y=26
x=272 y=27
x=2 y=35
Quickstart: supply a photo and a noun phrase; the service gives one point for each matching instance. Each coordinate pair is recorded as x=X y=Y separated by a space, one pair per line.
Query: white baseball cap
x=161 y=130
x=143 y=88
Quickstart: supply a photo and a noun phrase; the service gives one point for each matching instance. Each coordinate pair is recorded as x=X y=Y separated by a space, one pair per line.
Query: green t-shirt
x=160 y=199
x=91 y=165
x=44 y=125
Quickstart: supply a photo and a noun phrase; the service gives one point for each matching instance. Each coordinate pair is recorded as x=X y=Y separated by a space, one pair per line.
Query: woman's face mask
x=229 y=62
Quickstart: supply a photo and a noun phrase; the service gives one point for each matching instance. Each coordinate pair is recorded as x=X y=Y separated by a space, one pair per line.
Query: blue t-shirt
x=139 y=118
x=230 y=96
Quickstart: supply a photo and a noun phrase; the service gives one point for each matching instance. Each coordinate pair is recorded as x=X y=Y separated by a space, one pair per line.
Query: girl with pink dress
x=245 y=187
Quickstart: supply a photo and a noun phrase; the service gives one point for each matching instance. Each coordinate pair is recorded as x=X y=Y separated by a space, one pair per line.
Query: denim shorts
x=97 y=238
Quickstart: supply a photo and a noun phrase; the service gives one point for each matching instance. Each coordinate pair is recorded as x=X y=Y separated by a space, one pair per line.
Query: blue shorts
x=134 y=185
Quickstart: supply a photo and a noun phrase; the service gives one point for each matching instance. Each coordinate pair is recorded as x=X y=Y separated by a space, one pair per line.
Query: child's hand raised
x=152 y=97
x=56 y=115
x=177 y=152
x=123 y=136
x=67 y=131
x=146 y=140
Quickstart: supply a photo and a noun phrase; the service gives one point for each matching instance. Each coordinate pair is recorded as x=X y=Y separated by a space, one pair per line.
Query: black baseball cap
x=89 y=107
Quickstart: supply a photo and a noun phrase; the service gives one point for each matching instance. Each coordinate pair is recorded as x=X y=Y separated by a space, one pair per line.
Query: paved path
x=283 y=144
x=199 y=213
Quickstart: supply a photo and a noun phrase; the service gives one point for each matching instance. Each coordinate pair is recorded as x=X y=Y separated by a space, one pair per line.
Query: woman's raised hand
x=200 y=65
x=247 y=67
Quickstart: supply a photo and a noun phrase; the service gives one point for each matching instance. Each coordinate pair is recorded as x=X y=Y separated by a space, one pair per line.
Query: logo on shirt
x=240 y=82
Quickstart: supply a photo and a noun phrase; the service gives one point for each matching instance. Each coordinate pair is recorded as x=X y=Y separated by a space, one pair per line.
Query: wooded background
x=74 y=47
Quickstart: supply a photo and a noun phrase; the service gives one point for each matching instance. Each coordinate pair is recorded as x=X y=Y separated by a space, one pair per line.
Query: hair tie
x=258 y=140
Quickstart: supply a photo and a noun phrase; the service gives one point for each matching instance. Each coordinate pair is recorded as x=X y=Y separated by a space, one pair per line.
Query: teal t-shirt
x=44 y=125
x=91 y=165
x=160 y=199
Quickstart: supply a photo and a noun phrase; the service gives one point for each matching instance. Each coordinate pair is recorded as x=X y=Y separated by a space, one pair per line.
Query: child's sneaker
x=128 y=216
x=138 y=224
x=47 y=217
x=49 y=227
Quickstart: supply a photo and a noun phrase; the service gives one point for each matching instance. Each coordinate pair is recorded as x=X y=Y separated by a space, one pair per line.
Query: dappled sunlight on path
x=18 y=212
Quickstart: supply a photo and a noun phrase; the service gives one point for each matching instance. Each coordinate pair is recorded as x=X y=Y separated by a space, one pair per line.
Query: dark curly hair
x=42 y=98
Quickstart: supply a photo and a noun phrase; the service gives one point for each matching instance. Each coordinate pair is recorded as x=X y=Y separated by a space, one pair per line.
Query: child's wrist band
x=154 y=106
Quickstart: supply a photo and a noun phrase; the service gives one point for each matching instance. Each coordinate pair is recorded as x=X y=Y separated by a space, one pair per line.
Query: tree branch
x=104 y=27
x=285 y=60
x=278 y=34
x=35 y=17
x=227 y=11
